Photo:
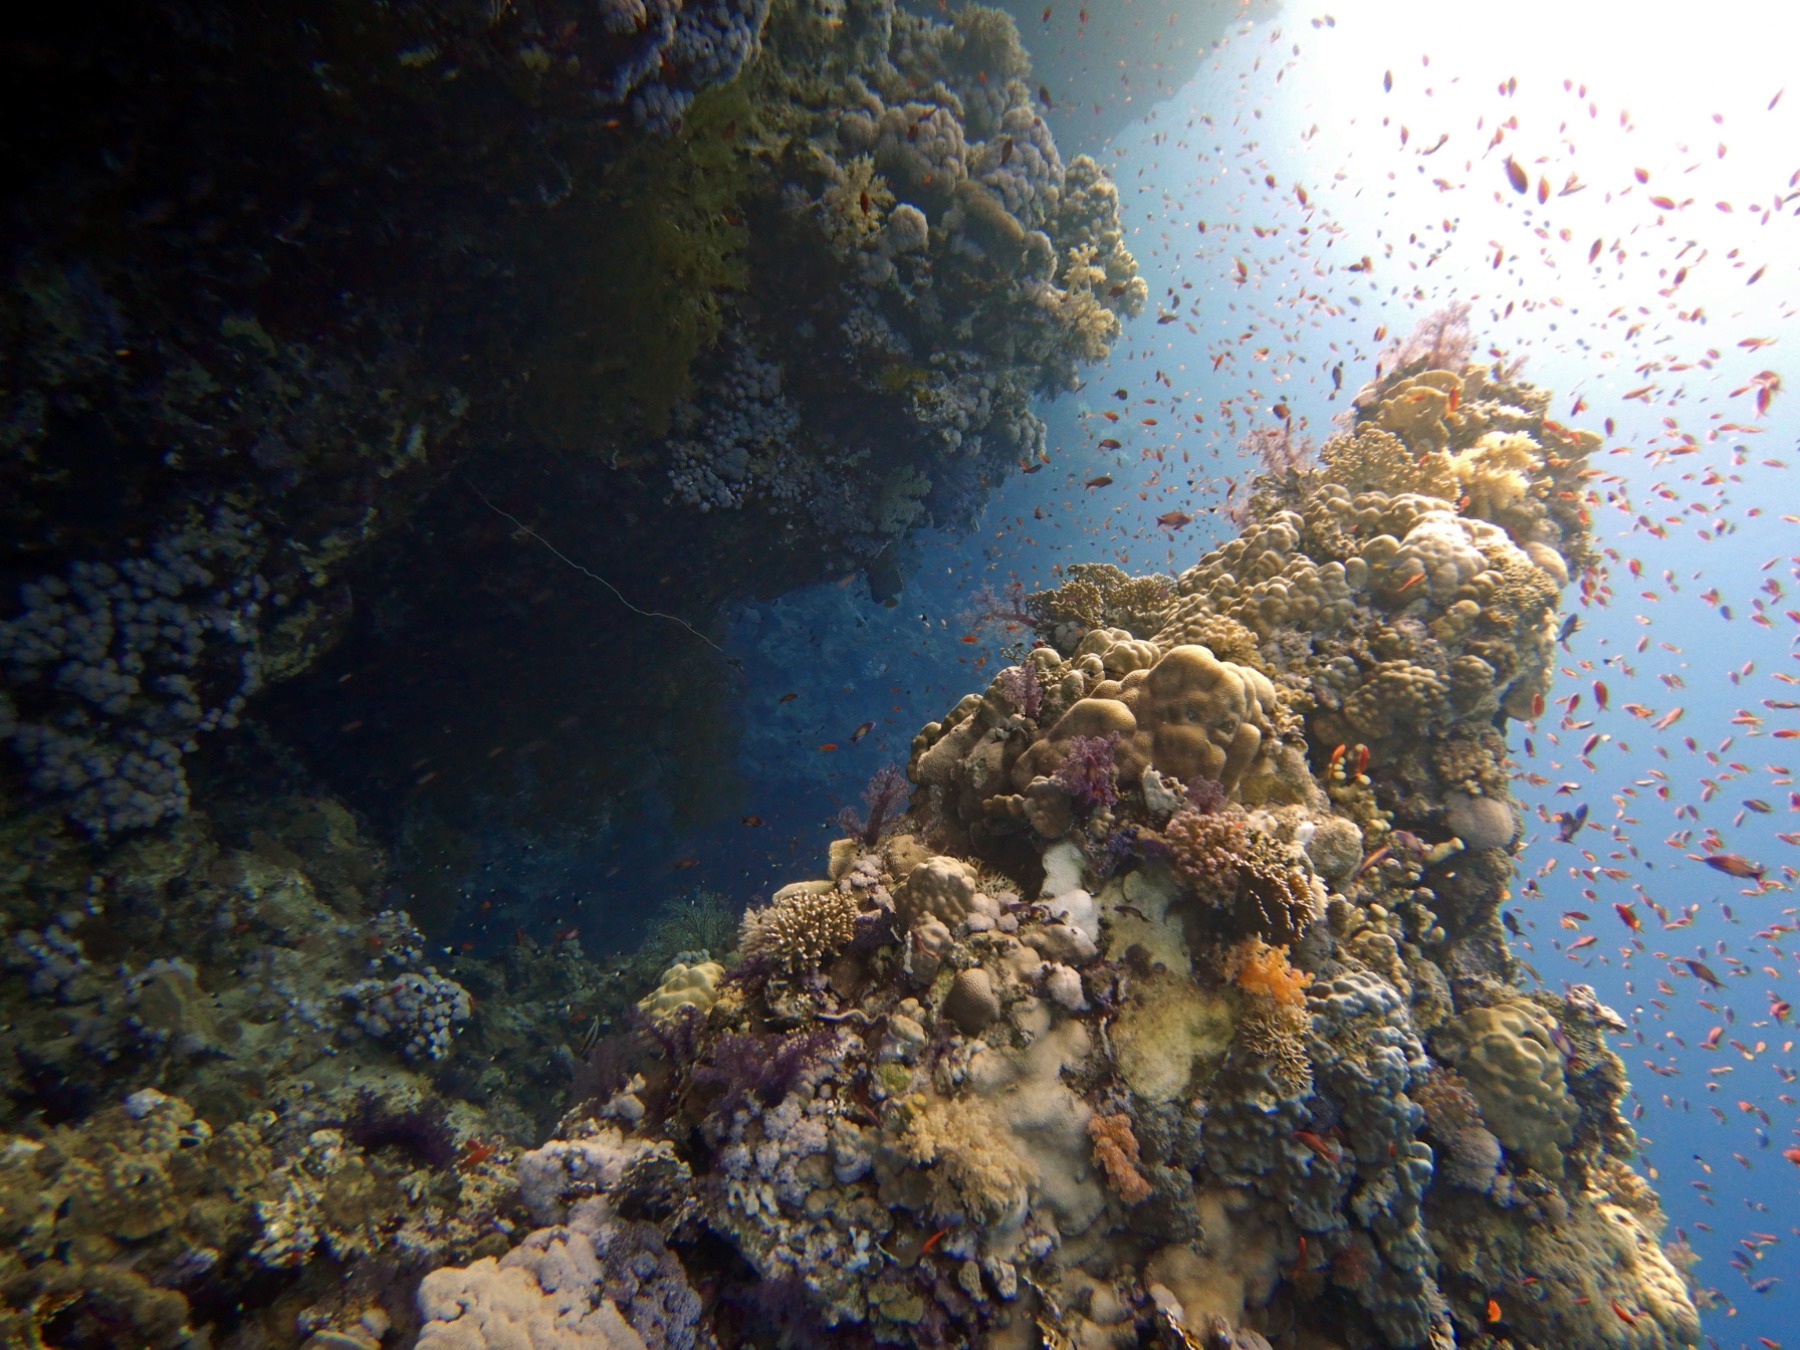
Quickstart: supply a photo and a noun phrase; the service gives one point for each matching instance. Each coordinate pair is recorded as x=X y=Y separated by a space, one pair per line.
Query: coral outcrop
x=1179 y=1011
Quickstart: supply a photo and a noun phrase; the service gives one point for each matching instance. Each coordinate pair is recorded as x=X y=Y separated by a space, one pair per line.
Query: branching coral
x=1099 y=595
x=1251 y=885
x=804 y=926
x=1116 y=1151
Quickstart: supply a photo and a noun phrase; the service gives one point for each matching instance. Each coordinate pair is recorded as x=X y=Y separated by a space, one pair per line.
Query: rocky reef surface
x=1177 y=1009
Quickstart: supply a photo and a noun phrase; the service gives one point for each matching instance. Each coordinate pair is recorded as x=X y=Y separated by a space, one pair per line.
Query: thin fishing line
x=567 y=561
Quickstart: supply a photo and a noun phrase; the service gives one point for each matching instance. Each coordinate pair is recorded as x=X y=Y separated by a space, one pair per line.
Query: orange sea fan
x=1259 y=968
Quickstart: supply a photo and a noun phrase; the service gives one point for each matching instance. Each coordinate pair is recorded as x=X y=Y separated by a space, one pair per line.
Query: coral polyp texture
x=1177 y=1008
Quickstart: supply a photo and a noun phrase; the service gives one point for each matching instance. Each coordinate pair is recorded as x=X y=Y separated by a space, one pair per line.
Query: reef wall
x=720 y=297
x=1177 y=1009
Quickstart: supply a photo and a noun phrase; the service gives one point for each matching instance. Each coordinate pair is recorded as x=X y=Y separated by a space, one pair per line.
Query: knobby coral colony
x=957 y=266
x=1268 y=1071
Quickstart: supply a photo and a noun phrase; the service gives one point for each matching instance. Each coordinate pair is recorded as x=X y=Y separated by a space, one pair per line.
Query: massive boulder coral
x=1180 y=1006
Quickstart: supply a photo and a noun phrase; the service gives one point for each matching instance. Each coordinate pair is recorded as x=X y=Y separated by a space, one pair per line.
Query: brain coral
x=942 y=888
x=1190 y=715
x=1377 y=459
x=1511 y=1064
x=683 y=986
x=1480 y=822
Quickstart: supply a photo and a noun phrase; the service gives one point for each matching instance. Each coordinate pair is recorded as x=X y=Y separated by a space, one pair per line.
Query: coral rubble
x=1177 y=1008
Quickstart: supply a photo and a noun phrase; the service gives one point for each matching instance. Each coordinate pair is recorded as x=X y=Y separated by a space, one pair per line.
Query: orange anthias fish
x=1103 y=480
x=1174 y=520
x=1735 y=865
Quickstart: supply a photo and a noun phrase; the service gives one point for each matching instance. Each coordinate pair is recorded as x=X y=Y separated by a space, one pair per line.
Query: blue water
x=1692 y=613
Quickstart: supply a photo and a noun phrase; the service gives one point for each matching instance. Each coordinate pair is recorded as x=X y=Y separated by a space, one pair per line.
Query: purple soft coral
x=763 y=1067
x=1280 y=450
x=1021 y=687
x=1088 y=774
x=885 y=789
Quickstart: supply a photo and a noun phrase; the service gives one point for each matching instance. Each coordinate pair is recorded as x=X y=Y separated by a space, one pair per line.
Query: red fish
x=829 y=745
x=787 y=698
x=1327 y=1150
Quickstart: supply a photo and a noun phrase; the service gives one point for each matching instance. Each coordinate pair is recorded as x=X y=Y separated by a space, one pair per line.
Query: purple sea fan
x=1441 y=340
x=1020 y=686
x=1007 y=608
x=885 y=789
x=1279 y=449
x=1088 y=773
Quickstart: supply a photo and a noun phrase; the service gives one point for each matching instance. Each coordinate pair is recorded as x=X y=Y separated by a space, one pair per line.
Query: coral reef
x=1163 y=1014
x=570 y=254
x=231 y=1076
x=960 y=267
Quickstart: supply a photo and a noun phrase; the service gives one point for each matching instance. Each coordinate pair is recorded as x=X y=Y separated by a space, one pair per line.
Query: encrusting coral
x=1178 y=1009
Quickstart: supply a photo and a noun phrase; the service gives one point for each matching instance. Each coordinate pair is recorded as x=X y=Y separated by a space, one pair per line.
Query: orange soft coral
x=1116 y=1150
x=1259 y=968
